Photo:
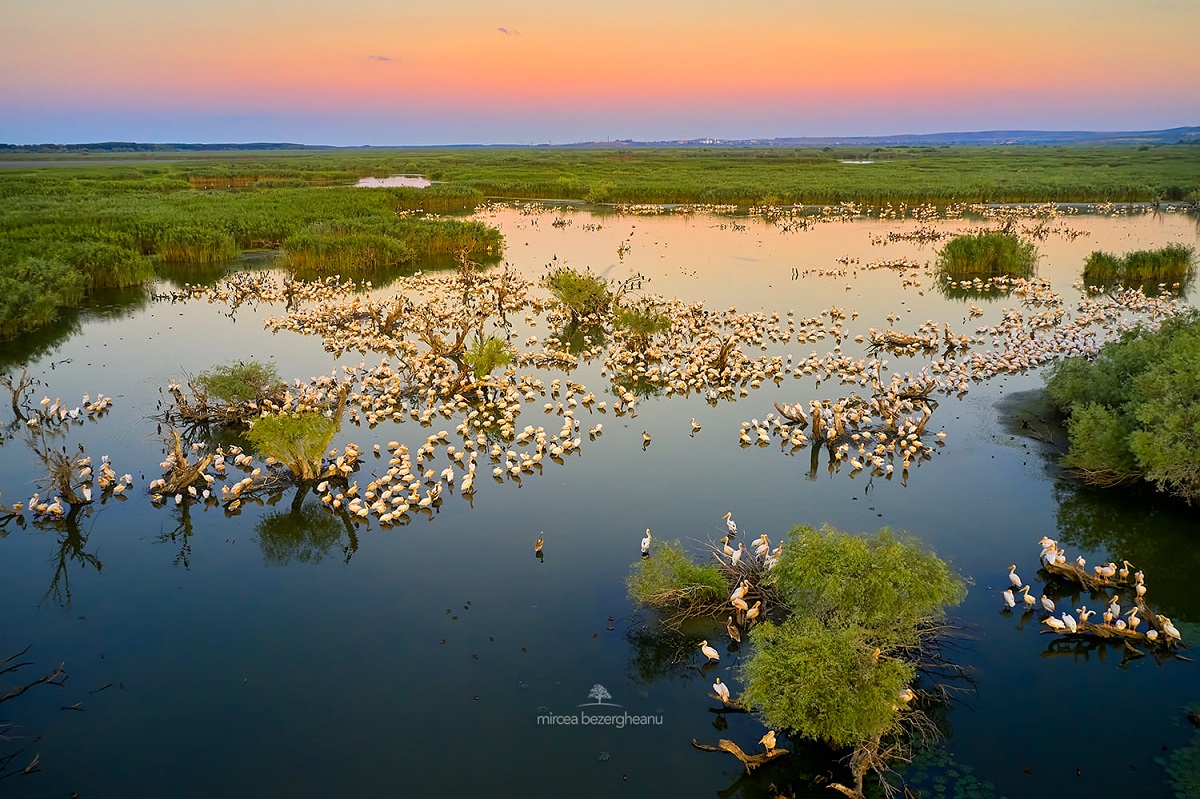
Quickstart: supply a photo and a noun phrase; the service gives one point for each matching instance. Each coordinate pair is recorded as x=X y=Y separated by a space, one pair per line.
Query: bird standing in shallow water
x=709 y=652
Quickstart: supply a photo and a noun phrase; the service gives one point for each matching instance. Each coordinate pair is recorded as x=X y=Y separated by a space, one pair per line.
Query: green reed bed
x=985 y=255
x=1171 y=264
x=95 y=227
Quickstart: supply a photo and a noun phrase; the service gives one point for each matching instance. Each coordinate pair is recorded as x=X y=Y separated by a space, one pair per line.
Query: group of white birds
x=1113 y=617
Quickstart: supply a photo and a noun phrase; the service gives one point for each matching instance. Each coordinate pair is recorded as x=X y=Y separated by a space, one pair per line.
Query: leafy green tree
x=581 y=293
x=822 y=682
x=487 y=355
x=1134 y=410
x=297 y=440
x=886 y=584
x=640 y=323
x=242 y=381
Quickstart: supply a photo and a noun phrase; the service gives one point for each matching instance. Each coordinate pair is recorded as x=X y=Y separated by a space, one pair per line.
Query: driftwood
x=183 y=473
x=751 y=762
x=731 y=704
x=1073 y=572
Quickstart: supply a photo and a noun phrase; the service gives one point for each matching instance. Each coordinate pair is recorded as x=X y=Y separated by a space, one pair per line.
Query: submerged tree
x=847 y=624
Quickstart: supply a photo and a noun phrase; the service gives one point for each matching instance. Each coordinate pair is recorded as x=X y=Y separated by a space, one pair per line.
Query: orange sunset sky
x=374 y=72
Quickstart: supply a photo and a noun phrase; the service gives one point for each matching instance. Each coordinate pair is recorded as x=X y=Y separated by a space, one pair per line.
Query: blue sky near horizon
x=314 y=72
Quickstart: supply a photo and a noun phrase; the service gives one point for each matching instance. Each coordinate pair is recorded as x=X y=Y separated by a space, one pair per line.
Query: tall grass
x=987 y=254
x=1172 y=263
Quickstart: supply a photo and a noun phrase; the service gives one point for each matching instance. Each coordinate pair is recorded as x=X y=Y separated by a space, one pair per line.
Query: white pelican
x=733 y=630
x=1134 y=620
x=753 y=612
x=1047 y=604
x=740 y=604
x=1124 y=572
x=1151 y=635
x=721 y=690
x=1029 y=601
x=1069 y=621
x=1169 y=628
x=1055 y=624
x=646 y=543
x=1009 y=599
x=768 y=741
x=1106 y=571
x=729 y=523
x=737 y=555
x=1140 y=590
x=728 y=550
x=1013 y=577
x=907 y=695
x=709 y=652
x=541 y=539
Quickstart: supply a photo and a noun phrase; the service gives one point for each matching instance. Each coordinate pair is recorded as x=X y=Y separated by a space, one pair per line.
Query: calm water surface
x=267 y=655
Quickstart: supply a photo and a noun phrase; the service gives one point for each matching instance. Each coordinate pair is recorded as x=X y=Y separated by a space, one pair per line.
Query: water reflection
x=1151 y=531
x=305 y=533
x=71 y=549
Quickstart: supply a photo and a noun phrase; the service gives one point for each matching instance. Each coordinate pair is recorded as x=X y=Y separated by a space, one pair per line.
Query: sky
x=403 y=72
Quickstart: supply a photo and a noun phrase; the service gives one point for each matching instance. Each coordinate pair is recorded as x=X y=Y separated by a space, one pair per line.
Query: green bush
x=885 y=584
x=581 y=293
x=1135 y=409
x=487 y=355
x=297 y=440
x=670 y=580
x=640 y=323
x=987 y=254
x=243 y=381
x=822 y=683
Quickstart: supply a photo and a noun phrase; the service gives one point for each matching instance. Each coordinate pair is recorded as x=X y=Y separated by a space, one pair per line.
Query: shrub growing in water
x=1171 y=263
x=987 y=254
x=669 y=580
x=297 y=440
x=1135 y=409
x=581 y=293
x=640 y=323
x=243 y=381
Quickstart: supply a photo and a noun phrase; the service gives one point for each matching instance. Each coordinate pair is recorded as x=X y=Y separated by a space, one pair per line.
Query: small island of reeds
x=1172 y=263
x=985 y=255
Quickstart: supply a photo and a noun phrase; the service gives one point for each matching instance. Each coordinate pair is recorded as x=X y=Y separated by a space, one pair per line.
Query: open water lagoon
x=285 y=650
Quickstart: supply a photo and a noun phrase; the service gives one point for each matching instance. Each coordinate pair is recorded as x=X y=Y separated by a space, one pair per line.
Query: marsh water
x=282 y=653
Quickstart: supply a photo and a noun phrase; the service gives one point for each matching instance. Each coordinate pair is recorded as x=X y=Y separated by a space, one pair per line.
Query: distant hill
x=1181 y=135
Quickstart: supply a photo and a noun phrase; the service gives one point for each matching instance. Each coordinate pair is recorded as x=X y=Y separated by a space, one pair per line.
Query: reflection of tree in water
x=181 y=536
x=577 y=338
x=72 y=544
x=306 y=533
x=1154 y=533
x=660 y=652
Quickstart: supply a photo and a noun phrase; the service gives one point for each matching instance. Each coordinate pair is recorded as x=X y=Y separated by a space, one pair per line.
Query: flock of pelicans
x=423 y=328
x=1162 y=630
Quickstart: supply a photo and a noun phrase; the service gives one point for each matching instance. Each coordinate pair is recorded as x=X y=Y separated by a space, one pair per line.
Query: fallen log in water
x=751 y=762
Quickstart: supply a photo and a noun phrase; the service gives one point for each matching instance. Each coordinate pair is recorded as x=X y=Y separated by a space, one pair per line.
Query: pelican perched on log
x=721 y=690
